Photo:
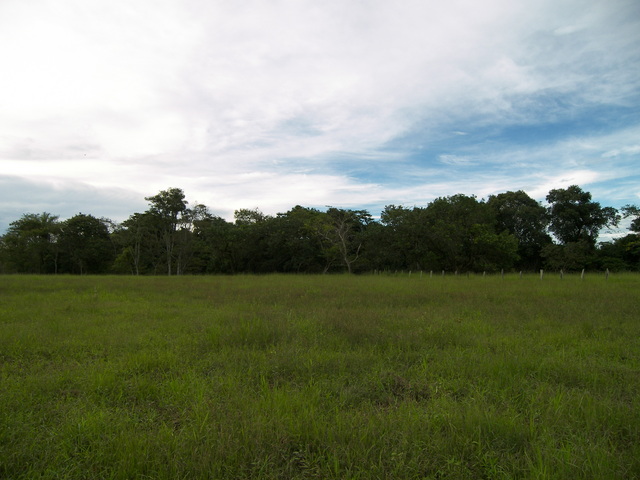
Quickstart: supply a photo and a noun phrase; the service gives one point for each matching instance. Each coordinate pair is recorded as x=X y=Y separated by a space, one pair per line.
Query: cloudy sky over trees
x=273 y=103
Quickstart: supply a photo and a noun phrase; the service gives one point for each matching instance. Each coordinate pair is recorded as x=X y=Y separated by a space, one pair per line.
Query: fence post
x=606 y=274
x=502 y=273
x=541 y=274
x=582 y=275
x=561 y=274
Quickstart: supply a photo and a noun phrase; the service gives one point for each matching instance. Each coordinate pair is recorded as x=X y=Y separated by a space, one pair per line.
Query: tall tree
x=574 y=217
x=85 y=244
x=251 y=232
x=526 y=219
x=462 y=236
x=187 y=244
x=215 y=245
x=342 y=234
x=31 y=244
x=291 y=244
x=169 y=207
x=634 y=212
x=249 y=216
x=404 y=237
x=141 y=245
x=129 y=239
x=378 y=252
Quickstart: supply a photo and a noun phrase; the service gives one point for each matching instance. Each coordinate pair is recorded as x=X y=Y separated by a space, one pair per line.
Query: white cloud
x=456 y=160
x=199 y=94
x=626 y=150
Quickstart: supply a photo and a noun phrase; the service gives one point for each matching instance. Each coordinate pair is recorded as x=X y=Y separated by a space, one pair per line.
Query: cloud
x=626 y=150
x=456 y=160
x=63 y=198
x=279 y=102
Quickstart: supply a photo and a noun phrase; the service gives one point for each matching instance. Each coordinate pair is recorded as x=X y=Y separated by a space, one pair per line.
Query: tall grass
x=319 y=377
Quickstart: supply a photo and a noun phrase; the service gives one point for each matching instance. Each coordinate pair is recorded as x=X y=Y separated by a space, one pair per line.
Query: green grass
x=320 y=377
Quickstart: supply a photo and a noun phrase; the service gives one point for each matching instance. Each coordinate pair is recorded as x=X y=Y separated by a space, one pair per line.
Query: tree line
x=508 y=231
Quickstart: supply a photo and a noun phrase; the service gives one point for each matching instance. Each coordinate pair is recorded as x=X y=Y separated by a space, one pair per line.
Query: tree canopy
x=574 y=217
x=508 y=231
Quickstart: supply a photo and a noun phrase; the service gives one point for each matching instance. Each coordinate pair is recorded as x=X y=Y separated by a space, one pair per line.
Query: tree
x=291 y=242
x=186 y=243
x=85 y=244
x=348 y=226
x=574 y=217
x=461 y=236
x=524 y=218
x=251 y=231
x=632 y=211
x=341 y=234
x=620 y=253
x=249 y=216
x=169 y=208
x=215 y=244
x=570 y=256
x=30 y=244
x=575 y=220
x=404 y=237
x=141 y=246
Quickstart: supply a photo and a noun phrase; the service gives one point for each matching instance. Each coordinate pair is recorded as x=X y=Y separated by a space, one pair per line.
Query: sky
x=351 y=103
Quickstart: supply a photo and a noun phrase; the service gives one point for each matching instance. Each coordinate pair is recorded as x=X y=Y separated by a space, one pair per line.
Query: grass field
x=320 y=377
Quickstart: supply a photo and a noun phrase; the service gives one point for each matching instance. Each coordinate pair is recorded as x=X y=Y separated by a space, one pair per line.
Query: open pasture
x=320 y=377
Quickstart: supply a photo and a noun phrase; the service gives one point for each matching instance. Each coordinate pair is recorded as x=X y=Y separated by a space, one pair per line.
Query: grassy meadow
x=333 y=377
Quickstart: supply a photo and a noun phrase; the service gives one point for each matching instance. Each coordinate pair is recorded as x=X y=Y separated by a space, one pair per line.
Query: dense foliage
x=509 y=231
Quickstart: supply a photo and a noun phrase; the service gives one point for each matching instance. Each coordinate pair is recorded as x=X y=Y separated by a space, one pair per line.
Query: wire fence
x=542 y=274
